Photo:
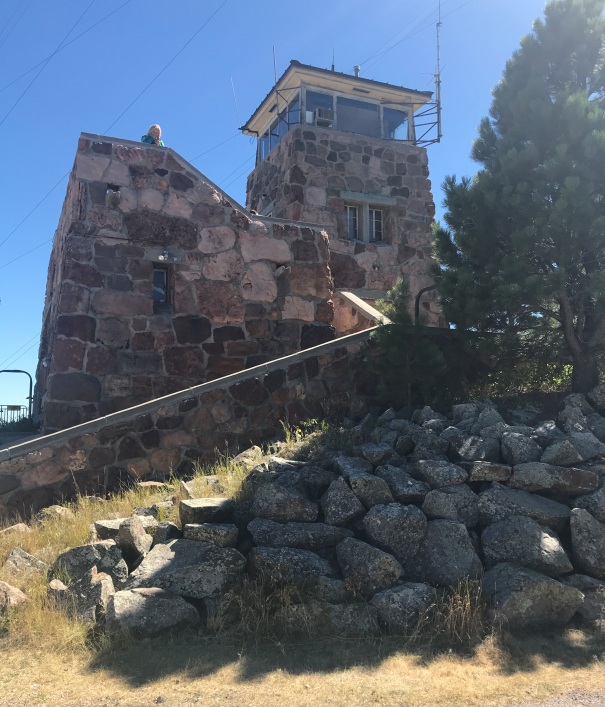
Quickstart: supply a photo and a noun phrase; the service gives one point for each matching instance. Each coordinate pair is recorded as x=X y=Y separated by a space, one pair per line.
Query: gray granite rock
x=500 y=502
x=320 y=618
x=396 y=528
x=11 y=597
x=587 y=445
x=21 y=562
x=471 y=449
x=340 y=505
x=400 y=607
x=588 y=543
x=367 y=569
x=540 y=477
x=77 y=562
x=147 y=612
x=189 y=568
x=596 y=397
x=287 y=566
x=283 y=504
x=350 y=466
x=219 y=534
x=370 y=490
x=440 y=473
x=133 y=541
x=489 y=471
x=519 y=449
x=404 y=487
x=205 y=510
x=305 y=536
x=594 y=503
x=592 y=609
x=457 y=503
x=561 y=453
x=165 y=532
x=521 y=541
x=445 y=556
x=524 y=599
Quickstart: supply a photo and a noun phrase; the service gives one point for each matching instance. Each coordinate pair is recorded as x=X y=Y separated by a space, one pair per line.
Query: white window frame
x=365 y=215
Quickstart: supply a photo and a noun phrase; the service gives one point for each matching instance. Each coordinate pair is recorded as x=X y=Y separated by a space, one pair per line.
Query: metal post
x=30 y=398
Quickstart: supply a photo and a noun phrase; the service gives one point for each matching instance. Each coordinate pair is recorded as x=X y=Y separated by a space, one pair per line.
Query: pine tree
x=524 y=247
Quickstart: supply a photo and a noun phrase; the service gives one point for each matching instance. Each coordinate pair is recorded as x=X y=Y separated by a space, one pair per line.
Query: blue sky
x=199 y=69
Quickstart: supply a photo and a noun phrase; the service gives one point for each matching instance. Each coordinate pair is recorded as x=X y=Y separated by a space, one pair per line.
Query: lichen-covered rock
x=107 y=529
x=305 y=536
x=457 y=503
x=350 y=466
x=377 y=454
x=445 y=556
x=440 y=473
x=106 y=556
x=521 y=541
x=283 y=504
x=400 y=608
x=404 y=487
x=592 y=609
x=537 y=476
x=133 y=541
x=205 y=510
x=561 y=453
x=396 y=528
x=489 y=471
x=279 y=566
x=586 y=444
x=340 y=505
x=367 y=569
x=519 y=449
x=594 y=503
x=21 y=562
x=474 y=449
x=189 y=569
x=500 y=502
x=370 y=490
x=219 y=534
x=147 y=612
x=165 y=532
x=588 y=543
x=524 y=599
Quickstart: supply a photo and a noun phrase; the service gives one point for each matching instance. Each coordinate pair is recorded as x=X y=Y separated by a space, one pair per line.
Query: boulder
x=189 y=569
x=340 y=505
x=282 y=504
x=586 y=444
x=489 y=471
x=521 y=541
x=332 y=591
x=377 y=454
x=400 y=607
x=426 y=414
x=500 y=502
x=548 y=433
x=314 y=481
x=367 y=569
x=592 y=610
x=305 y=536
x=54 y=513
x=370 y=490
x=474 y=449
x=519 y=449
x=133 y=541
x=205 y=510
x=280 y=566
x=107 y=529
x=21 y=562
x=87 y=597
x=149 y=611
x=524 y=599
x=395 y=528
x=594 y=503
x=588 y=543
x=219 y=534
x=540 y=477
x=457 y=503
x=561 y=453
x=488 y=417
x=11 y=597
x=445 y=556
x=596 y=397
x=105 y=555
x=440 y=473
x=165 y=532
x=404 y=487
x=350 y=466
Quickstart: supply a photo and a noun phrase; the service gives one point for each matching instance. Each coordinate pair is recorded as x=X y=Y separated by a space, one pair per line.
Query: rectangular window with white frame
x=352 y=222
x=364 y=223
x=375 y=231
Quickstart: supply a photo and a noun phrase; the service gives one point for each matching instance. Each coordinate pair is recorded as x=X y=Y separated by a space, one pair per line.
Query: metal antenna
x=438 y=79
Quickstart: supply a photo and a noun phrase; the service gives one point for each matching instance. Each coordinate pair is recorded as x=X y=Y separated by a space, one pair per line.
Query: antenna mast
x=438 y=79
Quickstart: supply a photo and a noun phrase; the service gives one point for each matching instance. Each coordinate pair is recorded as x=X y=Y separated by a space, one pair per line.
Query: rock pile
x=376 y=529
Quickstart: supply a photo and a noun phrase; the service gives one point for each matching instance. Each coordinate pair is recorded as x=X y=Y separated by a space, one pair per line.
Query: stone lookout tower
x=342 y=151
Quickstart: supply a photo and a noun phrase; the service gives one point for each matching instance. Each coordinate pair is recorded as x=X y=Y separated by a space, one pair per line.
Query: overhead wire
x=157 y=76
x=12 y=29
x=67 y=44
x=12 y=356
x=46 y=63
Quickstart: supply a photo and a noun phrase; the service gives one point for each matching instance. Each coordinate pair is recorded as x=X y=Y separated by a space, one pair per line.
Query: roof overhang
x=297 y=75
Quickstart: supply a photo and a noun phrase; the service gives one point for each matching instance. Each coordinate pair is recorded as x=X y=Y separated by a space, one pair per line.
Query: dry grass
x=52 y=660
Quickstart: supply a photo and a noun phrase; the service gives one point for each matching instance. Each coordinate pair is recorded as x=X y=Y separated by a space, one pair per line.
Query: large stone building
x=159 y=281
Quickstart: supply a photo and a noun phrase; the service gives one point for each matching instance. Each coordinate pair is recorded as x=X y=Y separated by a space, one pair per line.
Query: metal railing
x=12 y=413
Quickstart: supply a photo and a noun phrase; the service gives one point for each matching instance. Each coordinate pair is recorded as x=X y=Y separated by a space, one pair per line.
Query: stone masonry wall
x=314 y=171
x=243 y=290
x=153 y=439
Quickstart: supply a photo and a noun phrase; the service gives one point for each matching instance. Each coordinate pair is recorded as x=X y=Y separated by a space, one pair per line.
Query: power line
x=157 y=76
x=67 y=44
x=12 y=356
x=12 y=29
x=16 y=103
x=193 y=159
x=27 y=252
